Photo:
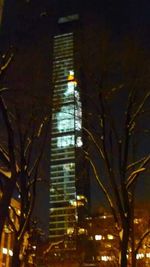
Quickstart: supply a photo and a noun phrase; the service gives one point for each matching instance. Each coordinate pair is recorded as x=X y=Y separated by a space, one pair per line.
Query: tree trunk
x=124 y=246
x=16 y=251
x=4 y=204
x=133 y=254
x=134 y=259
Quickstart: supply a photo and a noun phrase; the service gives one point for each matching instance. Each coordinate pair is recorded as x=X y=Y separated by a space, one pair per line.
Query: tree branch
x=104 y=190
x=132 y=165
x=10 y=133
x=147 y=232
x=4 y=157
x=139 y=109
x=134 y=175
x=107 y=162
x=96 y=144
x=6 y=64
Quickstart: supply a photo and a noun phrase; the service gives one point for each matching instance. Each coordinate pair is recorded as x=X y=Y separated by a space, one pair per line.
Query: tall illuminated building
x=66 y=136
x=66 y=36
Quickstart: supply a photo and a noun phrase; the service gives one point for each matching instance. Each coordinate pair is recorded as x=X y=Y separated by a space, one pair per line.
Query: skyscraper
x=58 y=32
x=66 y=136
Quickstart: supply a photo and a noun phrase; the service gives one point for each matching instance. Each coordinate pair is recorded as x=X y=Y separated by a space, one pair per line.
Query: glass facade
x=65 y=137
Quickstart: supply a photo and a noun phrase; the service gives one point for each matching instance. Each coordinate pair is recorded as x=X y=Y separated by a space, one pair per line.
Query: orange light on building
x=71 y=78
x=6 y=246
x=71 y=75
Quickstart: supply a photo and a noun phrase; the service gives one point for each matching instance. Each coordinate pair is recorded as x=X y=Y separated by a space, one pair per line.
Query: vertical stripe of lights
x=65 y=137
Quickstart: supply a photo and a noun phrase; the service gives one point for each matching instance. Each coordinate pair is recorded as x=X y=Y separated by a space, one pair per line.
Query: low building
x=103 y=239
x=97 y=242
x=7 y=240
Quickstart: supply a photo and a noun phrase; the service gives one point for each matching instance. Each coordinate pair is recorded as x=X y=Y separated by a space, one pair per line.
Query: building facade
x=7 y=240
x=66 y=134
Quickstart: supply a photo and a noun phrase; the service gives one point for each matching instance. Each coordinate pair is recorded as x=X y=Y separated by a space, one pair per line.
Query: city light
x=140 y=256
x=98 y=237
x=106 y=258
x=70 y=230
x=7 y=251
x=82 y=231
x=110 y=237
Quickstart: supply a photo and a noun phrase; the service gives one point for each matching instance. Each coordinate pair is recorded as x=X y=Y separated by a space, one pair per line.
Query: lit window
x=79 y=142
x=98 y=237
x=68 y=166
x=81 y=197
x=71 y=83
x=4 y=251
x=70 y=231
x=140 y=256
x=110 y=237
x=70 y=88
x=78 y=122
x=10 y=253
x=65 y=141
x=71 y=75
x=69 y=18
x=7 y=251
x=65 y=119
x=73 y=203
x=137 y=220
x=148 y=255
x=106 y=258
x=82 y=231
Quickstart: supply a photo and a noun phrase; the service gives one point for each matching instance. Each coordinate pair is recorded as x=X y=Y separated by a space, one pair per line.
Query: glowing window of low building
x=70 y=231
x=82 y=231
x=110 y=237
x=98 y=237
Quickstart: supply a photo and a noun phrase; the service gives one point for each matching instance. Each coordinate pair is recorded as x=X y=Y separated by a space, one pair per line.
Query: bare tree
x=4 y=64
x=19 y=174
x=110 y=157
